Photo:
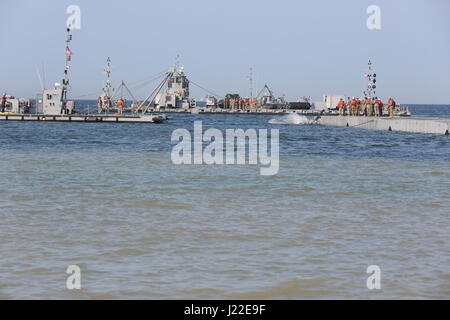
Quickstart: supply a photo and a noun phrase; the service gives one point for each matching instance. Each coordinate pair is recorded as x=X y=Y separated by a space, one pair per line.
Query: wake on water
x=292 y=118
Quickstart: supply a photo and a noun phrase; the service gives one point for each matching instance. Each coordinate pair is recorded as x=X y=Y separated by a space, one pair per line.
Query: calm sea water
x=107 y=197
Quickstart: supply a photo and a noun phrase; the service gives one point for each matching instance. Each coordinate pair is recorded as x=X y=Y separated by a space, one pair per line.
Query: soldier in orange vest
x=3 y=104
x=358 y=107
x=348 y=107
x=391 y=106
x=376 y=107
x=120 y=106
x=353 y=105
x=380 y=106
x=341 y=107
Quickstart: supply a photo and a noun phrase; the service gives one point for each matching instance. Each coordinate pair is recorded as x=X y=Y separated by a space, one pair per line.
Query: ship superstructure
x=177 y=93
x=54 y=101
x=266 y=99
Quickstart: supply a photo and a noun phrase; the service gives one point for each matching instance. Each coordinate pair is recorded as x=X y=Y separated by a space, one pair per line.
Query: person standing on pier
x=3 y=104
x=376 y=107
x=341 y=107
x=99 y=105
x=120 y=106
x=108 y=103
x=380 y=108
x=353 y=107
x=391 y=106
x=367 y=103
x=349 y=106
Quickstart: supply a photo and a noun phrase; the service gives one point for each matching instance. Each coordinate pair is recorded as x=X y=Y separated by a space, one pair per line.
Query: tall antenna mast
x=250 y=78
x=66 y=82
x=43 y=74
x=177 y=63
x=40 y=79
x=371 y=81
x=107 y=71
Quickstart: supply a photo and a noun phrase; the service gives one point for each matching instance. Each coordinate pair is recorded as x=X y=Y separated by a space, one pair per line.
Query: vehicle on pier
x=266 y=99
x=15 y=105
x=210 y=102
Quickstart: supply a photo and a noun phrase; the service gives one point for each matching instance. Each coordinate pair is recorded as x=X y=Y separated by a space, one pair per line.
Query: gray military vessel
x=54 y=105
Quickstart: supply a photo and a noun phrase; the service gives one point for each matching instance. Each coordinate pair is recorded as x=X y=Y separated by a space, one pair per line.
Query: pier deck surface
x=79 y=118
x=404 y=124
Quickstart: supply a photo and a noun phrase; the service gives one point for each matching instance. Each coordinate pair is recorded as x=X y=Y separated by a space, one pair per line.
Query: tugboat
x=53 y=105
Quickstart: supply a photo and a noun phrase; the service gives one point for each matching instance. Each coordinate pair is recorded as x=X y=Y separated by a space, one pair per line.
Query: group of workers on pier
x=103 y=104
x=367 y=106
x=235 y=102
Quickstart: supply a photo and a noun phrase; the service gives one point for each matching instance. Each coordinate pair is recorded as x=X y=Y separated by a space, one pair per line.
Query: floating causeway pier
x=260 y=111
x=402 y=124
x=82 y=118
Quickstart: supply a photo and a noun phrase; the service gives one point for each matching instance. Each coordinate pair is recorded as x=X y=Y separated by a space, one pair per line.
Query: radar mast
x=371 y=76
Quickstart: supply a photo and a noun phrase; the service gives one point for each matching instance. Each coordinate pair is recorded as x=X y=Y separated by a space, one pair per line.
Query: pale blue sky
x=300 y=47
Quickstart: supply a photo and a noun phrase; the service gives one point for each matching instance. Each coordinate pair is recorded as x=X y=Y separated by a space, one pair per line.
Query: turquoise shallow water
x=107 y=198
